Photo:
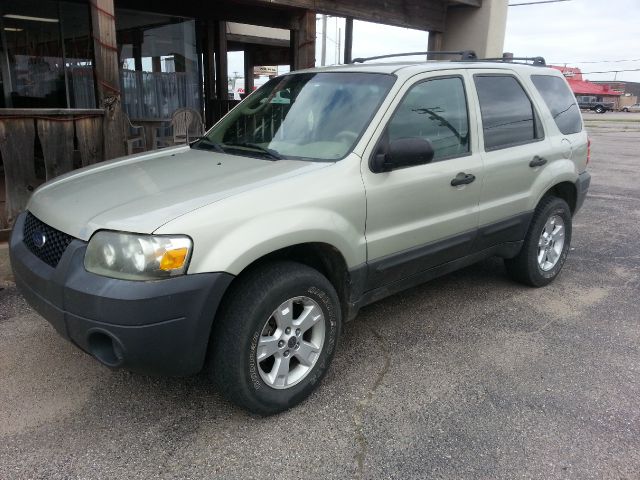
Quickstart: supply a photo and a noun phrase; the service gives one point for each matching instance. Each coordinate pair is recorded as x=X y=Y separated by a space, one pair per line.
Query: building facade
x=586 y=91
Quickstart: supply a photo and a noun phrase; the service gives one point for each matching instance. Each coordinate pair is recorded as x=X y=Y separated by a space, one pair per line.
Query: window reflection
x=158 y=64
x=49 y=55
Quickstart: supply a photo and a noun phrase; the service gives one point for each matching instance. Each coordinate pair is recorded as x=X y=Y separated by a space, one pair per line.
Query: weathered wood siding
x=17 y=146
x=60 y=133
x=56 y=139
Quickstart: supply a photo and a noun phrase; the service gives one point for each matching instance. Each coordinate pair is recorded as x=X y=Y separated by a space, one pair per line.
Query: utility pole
x=323 y=56
x=339 y=44
x=336 y=59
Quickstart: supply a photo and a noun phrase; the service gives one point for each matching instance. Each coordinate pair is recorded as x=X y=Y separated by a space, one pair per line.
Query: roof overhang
x=426 y=15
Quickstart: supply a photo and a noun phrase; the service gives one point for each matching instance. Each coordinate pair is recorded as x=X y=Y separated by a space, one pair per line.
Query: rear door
x=515 y=151
x=569 y=138
x=416 y=219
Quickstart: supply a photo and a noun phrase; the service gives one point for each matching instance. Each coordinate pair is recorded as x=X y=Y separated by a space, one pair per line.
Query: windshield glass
x=313 y=116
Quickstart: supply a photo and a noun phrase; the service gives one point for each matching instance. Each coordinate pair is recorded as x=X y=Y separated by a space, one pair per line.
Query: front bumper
x=158 y=327
x=582 y=186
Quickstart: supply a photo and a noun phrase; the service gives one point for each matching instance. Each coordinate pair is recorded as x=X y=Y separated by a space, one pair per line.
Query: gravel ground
x=469 y=376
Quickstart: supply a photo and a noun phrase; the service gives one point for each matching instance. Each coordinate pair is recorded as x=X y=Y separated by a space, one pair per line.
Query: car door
x=416 y=218
x=515 y=152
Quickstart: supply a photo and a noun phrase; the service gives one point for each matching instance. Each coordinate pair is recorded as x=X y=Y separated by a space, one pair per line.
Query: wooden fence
x=37 y=145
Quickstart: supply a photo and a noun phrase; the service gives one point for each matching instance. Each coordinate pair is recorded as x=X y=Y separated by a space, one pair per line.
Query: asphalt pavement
x=468 y=376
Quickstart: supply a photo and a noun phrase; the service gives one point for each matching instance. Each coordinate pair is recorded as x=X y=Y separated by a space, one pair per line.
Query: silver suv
x=323 y=191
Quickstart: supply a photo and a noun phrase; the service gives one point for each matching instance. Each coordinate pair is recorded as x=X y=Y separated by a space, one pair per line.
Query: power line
x=595 y=61
x=536 y=3
x=614 y=71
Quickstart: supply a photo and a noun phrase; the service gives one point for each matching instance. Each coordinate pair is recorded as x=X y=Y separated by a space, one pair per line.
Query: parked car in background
x=632 y=108
x=593 y=104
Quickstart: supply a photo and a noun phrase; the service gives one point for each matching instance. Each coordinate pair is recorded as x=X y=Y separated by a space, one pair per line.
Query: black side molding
x=507 y=250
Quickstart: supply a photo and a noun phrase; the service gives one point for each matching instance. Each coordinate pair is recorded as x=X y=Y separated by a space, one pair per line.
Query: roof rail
x=536 y=61
x=464 y=54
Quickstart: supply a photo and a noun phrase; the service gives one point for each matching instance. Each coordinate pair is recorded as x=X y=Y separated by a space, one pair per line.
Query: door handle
x=537 y=162
x=462 y=179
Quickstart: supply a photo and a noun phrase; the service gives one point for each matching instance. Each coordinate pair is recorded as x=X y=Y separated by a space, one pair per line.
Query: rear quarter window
x=561 y=102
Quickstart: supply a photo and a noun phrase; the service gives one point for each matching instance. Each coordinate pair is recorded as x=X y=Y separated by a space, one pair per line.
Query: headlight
x=137 y=257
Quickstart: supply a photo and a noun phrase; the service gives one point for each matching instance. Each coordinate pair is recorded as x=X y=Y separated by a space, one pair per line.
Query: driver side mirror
x=403 y=152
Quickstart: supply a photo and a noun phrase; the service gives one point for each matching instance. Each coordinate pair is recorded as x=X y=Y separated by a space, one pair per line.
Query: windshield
x=312 y=116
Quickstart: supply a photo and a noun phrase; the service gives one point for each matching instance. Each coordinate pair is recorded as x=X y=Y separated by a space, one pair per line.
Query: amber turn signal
x=173 y=259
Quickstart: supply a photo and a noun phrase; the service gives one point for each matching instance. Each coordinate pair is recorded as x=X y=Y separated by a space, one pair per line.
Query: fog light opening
x=106 y=349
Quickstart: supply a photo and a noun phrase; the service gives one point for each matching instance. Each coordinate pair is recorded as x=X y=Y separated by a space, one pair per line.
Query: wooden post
x=5 y=68
x=222 y=76
x=108 y=76
x=303 y=42
x=156 y=64
x=248 y=70
x=209 y=68
x=138 y=37
x=348 y=40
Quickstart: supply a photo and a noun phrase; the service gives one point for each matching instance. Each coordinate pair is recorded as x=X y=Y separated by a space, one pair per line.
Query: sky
x=569 y=32
x=579 y=31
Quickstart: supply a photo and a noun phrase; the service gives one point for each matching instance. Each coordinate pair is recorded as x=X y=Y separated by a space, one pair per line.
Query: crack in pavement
x=358 y=415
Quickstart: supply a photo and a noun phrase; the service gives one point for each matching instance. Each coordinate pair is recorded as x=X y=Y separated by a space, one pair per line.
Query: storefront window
x=78 y=47
x=158 y=64
x=47 y=53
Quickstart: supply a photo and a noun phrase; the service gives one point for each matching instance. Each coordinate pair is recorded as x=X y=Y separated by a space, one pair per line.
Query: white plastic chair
x=130 y=139
x=186 y=124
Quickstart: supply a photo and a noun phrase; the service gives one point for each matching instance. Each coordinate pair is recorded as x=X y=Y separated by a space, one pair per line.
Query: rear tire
x=546 y=244
x=625 y=110
x=275 y=337
x=600 y=109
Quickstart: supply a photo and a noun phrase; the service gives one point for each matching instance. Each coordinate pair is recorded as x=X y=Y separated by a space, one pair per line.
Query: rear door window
x=508 y=116
x=561 y=102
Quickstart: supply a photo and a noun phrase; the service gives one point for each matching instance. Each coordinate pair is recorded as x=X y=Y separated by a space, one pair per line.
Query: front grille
x=55 y=242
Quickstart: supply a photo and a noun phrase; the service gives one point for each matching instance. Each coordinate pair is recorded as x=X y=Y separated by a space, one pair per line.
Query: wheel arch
x=323 y=257
x=566 y=191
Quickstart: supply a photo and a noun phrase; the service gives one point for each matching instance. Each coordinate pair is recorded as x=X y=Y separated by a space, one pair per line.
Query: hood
x=143 y=192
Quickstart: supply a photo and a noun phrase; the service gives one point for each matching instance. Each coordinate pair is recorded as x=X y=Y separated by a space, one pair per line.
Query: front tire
x=546 y=244
x=600 y=109
x=275 y=338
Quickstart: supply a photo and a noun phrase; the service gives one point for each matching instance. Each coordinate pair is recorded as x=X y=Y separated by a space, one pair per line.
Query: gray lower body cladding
x=155 y=327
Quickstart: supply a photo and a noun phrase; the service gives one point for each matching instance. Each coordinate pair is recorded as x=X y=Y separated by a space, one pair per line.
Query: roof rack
x=468 y=55
x=536 y=61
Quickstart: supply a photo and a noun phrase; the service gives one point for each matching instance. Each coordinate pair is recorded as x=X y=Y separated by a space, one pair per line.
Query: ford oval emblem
x=39 y=238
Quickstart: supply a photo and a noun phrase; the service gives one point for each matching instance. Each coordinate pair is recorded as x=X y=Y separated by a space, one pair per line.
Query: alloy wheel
x=290 y=343
x=551 y=243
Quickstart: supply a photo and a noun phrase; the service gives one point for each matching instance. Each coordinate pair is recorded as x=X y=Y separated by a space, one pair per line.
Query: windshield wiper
x=266 y=151
x=206 y=143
